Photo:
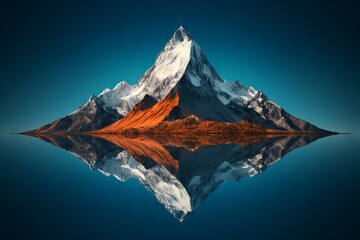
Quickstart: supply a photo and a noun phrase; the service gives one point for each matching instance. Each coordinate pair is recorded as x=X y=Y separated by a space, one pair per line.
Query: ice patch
x=195 y=181
x=194 y=80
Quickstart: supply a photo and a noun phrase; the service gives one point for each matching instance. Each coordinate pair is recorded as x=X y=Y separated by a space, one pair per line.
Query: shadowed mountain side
x=88 y=148
x=92 y=115
x=204 y=170
x=180 y=175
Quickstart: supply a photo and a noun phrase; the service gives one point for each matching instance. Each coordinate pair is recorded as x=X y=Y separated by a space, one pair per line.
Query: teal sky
x=305 y=55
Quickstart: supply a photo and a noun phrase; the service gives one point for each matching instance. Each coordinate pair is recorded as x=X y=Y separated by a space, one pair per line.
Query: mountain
x=94 y=114
x=180 y=172
x=181 y=84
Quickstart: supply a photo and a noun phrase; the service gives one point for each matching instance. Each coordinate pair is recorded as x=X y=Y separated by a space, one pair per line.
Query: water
x=48 y=193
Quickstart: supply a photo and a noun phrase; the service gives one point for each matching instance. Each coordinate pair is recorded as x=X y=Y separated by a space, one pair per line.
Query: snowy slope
x=157 y=81
x=167 y=189
x=181 y=56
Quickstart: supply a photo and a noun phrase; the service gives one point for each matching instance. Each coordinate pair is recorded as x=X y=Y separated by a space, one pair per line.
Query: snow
x=195 y=181
x=157 y=81
x=170 y=62
x=234 y=91
x=167 y=188
x=135 y=96
x=195 y=80
x=223 y=99
x=169 y=67
x=105 y=91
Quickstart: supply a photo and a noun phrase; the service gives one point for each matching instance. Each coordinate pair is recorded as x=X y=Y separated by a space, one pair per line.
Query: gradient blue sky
x=305 y=55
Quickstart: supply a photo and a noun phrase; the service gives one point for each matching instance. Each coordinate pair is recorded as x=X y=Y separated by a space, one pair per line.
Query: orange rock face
x=147 y=118
x=192 y=124
x=152 y=120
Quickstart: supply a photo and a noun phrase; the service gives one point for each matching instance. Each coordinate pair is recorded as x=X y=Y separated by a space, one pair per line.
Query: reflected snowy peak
x=181 y=171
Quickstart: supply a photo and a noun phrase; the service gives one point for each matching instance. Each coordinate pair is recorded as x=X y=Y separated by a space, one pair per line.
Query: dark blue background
x=305 y=55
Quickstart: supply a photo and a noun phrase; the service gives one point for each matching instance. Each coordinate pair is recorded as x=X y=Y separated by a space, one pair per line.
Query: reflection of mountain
x=181 y=172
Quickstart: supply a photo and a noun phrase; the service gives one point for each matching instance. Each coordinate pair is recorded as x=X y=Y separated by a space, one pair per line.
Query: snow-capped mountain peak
x=180 y=56
x=179 y=36
x=157 y=81
x=182 y=64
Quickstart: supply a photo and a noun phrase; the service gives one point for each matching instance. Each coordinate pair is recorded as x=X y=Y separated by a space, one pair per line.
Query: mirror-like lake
x=161 y=187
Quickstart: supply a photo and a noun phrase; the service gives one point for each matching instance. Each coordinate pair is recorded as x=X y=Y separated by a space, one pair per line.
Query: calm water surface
x=237 y=190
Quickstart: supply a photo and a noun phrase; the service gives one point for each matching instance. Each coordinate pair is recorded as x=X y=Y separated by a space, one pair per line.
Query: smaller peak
x=147 y=102
x=96 y=100
x=147 y=97
x=105 y=91
x=121 y=84
x=260 y=95
x=92 y=98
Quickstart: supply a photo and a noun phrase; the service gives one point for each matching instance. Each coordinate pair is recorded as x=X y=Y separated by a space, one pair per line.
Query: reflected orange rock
x=152 y=145
x=137 y=148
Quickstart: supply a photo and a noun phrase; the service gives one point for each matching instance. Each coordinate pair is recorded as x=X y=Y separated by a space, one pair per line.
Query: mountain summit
x=180 y=86
x=180 y=35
